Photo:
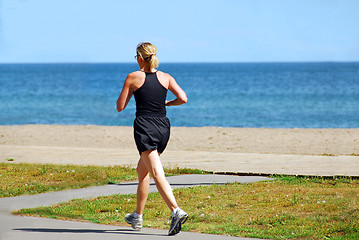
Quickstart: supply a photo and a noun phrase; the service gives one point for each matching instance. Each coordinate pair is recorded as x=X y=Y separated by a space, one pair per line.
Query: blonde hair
x=147 y=51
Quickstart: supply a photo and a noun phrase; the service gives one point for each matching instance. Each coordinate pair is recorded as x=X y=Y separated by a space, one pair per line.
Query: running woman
x=151 y=130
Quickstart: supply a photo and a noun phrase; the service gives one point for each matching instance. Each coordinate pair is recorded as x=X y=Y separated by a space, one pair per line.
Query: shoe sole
x=178 y=226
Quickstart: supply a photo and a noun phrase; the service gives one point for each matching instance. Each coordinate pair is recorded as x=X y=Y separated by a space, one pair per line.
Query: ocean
x=260 y=95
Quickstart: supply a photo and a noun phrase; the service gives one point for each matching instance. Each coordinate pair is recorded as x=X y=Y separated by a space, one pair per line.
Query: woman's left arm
x=125 y=95
x=177 y=91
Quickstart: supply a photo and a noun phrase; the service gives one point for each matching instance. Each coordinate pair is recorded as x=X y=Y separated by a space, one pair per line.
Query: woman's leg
x=151 y=160
x=143 y=186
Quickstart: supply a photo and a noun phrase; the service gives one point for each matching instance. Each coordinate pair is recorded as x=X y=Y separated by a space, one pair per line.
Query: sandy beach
x=239 y=150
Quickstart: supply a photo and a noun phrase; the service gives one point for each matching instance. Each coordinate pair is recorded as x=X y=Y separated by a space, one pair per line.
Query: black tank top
x=150 y=97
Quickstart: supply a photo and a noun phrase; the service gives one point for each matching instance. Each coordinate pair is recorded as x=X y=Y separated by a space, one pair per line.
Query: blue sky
x=183 y=31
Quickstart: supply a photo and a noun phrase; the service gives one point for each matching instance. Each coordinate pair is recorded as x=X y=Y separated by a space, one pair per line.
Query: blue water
x=276 y=95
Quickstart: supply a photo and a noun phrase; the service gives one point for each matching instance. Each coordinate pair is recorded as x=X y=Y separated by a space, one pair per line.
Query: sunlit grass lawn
x=289 y=207
x=22 y=178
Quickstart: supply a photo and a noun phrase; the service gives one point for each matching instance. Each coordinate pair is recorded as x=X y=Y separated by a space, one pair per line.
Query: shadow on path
x=115 y=231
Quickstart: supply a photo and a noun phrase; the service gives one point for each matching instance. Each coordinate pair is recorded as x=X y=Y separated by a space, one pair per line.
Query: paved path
x=32 y=228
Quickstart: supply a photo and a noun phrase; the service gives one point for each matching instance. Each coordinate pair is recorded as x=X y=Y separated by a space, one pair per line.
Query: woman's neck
x=148 y=69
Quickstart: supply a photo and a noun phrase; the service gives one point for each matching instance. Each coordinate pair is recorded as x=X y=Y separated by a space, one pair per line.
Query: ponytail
x=153 y=62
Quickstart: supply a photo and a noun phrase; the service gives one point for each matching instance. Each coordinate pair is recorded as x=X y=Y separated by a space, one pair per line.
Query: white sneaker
x=176 y=222
x=136 y=222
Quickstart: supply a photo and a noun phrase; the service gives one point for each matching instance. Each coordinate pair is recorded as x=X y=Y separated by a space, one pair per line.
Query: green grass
x=22 y=178
x=287 y=208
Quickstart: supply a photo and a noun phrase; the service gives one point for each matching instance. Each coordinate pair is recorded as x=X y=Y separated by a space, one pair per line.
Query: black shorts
x=151 y=133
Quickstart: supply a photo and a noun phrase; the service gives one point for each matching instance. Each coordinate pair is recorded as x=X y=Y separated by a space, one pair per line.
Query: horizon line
x=170 y=62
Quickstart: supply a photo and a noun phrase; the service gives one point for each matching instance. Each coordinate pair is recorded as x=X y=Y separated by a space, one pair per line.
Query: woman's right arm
x=178 y=92
x=126 y=94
